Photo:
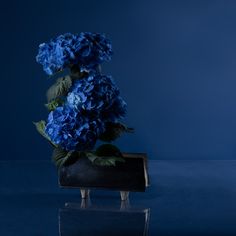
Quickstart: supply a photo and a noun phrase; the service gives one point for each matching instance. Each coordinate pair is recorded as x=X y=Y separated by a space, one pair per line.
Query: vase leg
x=125 y=205
x=84 y=193
x=85 y=203
x=124 y=195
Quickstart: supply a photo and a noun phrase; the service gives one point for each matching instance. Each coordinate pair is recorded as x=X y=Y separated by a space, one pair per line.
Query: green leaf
x=61 y=157
x=111 y=155
x=58 y=156
x=40 y=126
x=104 y=160
x=91 y=156
x=114 y=131
x=60 y=88
x=51 y=106
x=109 y=161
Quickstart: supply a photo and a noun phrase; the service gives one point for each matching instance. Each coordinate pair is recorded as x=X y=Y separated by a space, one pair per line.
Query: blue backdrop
x=175 y=63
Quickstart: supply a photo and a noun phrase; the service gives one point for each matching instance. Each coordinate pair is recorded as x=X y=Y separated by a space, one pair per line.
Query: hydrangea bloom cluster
x=91 y=101
x=72 y=130
x=94 y=93
x=85 y=49
x=100 y=95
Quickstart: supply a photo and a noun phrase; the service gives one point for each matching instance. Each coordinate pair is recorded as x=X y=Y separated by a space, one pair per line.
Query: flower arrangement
x=84 y=105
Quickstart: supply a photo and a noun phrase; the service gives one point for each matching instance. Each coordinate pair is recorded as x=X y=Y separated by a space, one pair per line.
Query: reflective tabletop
x=185 y=198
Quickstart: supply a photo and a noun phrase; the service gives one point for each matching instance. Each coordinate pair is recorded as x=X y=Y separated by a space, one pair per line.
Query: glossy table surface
x=185 y=198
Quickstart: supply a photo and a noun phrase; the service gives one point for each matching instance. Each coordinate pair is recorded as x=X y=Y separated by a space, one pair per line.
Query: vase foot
x=84 y=193
x=124 y=195
x=125 y=205
x=85 y=203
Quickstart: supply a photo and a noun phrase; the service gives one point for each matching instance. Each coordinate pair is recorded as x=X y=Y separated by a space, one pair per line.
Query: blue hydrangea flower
x=85 y=49
x=93 y=93
x=92 y=49
x=56 y=54
x=72 y=130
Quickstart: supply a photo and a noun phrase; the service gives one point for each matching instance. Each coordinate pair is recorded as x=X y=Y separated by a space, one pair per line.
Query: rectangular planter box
x=132 y=175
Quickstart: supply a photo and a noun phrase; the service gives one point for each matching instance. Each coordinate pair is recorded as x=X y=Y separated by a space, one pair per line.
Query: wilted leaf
x=114 y=131
x=61 y=157
x=60 y=88
x=58 y=156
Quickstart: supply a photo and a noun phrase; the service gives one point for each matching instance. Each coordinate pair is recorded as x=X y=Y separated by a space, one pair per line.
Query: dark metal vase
x=132 y=175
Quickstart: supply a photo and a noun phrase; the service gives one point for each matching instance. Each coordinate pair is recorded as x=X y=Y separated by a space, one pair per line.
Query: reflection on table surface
x=87 y=219
x=185 y=198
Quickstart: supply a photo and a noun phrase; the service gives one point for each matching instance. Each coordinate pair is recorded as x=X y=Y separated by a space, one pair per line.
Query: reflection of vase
x=132 y=175
x=76 y=220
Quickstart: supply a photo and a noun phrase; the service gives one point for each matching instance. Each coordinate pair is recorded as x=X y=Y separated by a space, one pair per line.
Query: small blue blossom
x=92 y=49
x=56 y=54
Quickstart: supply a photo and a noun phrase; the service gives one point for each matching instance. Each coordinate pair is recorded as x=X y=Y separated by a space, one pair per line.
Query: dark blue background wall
x=175 y=62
